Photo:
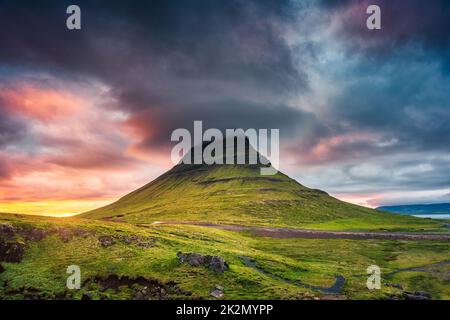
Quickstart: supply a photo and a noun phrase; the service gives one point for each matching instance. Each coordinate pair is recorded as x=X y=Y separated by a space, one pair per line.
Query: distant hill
x=417 y=209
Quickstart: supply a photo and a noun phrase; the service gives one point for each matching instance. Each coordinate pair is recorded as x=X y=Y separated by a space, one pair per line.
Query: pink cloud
x=80 y=151
x=332 y=148
x=39 y=103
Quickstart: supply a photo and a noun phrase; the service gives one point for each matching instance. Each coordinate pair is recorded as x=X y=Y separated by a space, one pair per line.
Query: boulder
x=86 y=296
x=214 y=263
x=106 y=241
x=418 y=295
x=7 y=231
x=65 y=234
x=218 y=294
x=394 y=285
x=193 y=259
x=34 y=234
x=217 y=264
x=11 y=251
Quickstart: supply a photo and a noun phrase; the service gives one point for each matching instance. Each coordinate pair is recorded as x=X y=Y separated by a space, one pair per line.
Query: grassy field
x=123 y=255
x=279 y=269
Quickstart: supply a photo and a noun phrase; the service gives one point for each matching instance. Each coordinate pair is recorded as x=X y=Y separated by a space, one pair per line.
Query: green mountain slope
x=238 y=194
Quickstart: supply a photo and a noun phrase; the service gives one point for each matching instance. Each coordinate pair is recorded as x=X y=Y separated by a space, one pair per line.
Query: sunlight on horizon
x=53 y=208
x=69 y=208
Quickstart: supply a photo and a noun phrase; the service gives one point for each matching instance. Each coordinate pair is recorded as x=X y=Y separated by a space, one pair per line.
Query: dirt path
x=313 y=234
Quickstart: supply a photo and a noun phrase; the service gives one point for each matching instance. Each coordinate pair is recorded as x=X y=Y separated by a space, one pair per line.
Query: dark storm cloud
x=224 y=39
x=181 y=59
x=424 y=24
x=210 y=40
x=407 y=101
x=223 y=115
x=230 y=63
x=390 y=83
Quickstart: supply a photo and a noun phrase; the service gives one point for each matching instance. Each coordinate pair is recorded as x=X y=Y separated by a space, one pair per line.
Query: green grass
x=313 y=262
x=238 y=194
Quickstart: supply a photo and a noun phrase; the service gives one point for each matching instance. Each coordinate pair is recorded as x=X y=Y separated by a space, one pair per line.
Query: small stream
x=336 y=288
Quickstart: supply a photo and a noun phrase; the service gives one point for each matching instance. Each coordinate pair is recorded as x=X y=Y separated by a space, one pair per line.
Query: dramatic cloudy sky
x=86 y=115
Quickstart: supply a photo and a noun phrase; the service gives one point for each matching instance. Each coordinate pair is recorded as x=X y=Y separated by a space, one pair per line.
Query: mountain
x=239 y=194
x=144 y=261
x=436 y=208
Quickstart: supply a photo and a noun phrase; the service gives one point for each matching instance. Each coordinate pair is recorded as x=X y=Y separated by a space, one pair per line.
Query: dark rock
x=102 y=297
x=106 y=241
x=127 y=239
x=218 y=294
x=418 y=295
x=86 y=296
x=193 y=259
x=214 y=263
x=143 y=289
x=217 y=264
x=7 y=231
x=423 y=294
x=394 y=285
x=11 y=251
x=138 y=296
x=80 y=232
x=65 y=234
x=181 y=256
x=33 y=234
x=145 y=242
x=196 y=260
x=148 y=293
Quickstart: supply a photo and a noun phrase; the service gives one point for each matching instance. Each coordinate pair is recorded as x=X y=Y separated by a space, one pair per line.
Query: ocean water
x=434 y=216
